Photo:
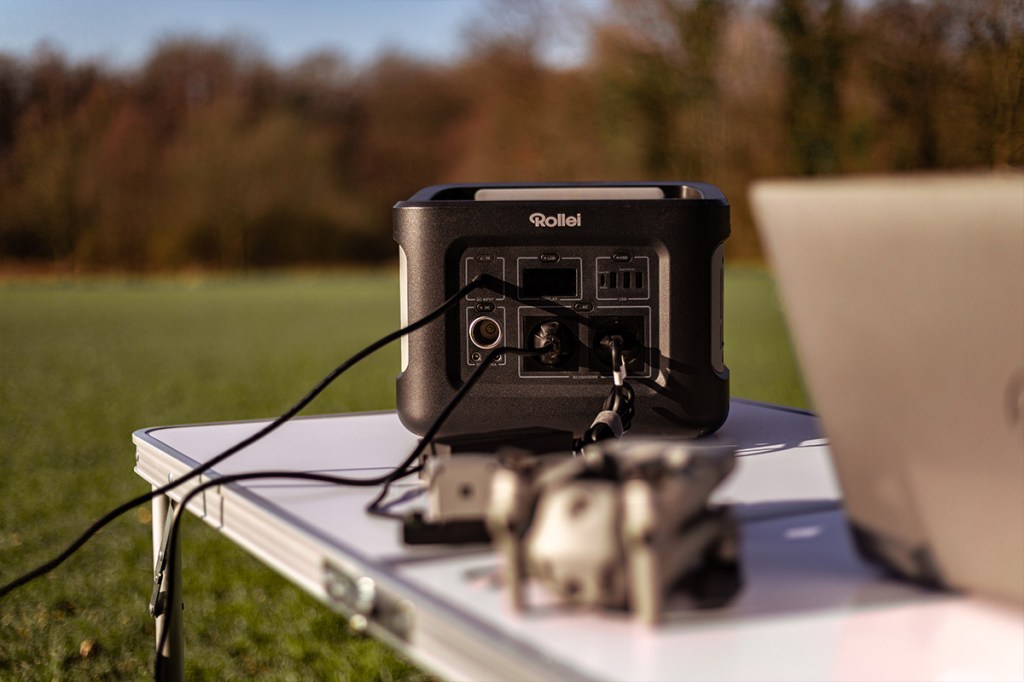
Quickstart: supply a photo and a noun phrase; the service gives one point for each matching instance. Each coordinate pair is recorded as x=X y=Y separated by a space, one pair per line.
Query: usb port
x=639 y=280
x=625 y=280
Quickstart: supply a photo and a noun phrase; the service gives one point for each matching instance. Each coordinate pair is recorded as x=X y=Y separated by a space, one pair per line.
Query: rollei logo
x=560 y=220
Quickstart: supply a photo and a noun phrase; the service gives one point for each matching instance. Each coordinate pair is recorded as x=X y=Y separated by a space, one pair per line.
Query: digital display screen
x=544 y=282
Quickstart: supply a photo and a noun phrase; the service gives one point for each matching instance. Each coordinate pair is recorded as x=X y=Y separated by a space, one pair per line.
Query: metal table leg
x=171 y=663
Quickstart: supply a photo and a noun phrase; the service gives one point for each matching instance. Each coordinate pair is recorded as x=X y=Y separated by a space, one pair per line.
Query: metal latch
x=359 y=597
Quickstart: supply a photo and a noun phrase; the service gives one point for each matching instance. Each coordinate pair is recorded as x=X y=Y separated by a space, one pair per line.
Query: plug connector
x=556 y=335
x=550 y=335
x=627 y=333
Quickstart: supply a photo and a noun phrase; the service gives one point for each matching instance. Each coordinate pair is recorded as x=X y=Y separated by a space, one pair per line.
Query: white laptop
x=905 y=299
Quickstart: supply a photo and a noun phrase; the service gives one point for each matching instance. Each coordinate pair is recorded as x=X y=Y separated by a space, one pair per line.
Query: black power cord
x=484 y=281
x=164 y=574
x=375 y=506
x=617 y=412
x=619 y=404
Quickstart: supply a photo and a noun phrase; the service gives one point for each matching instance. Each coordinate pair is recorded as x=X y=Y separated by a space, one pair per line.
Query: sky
x=122 y=33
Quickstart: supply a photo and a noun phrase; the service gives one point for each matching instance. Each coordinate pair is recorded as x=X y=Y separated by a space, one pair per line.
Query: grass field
x=85 y=363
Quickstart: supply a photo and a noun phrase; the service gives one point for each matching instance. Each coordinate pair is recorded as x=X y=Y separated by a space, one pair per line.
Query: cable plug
x=551 y=337
x=619 y=407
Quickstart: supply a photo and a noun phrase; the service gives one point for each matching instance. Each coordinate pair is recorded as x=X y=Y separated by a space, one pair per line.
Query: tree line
x=210 y=155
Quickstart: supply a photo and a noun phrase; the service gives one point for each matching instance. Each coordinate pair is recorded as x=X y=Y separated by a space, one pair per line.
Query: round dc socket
x=485 y=332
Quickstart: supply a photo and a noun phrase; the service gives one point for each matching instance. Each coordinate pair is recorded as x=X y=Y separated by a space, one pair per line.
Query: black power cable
x=400 y=471
x=484 y=281
x=375 y=506
x=618 y=402
x=617 y=412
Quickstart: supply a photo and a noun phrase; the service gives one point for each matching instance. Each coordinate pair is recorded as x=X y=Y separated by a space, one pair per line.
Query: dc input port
x=485 y=332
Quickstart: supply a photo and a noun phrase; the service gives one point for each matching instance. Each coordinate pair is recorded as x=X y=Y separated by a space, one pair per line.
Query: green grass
x=757 y=347
x=83 y=364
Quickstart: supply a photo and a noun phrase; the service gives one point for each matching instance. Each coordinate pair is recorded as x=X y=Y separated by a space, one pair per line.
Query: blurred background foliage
x=208 y=155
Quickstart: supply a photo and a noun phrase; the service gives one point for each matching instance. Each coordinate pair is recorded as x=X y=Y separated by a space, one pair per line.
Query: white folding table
x=810 y=609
